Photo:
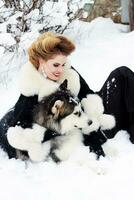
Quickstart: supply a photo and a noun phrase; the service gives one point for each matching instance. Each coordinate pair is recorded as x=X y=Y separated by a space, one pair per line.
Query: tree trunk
x=131 y=14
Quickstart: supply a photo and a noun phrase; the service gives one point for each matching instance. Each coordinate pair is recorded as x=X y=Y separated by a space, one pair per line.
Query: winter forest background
x=103 y=33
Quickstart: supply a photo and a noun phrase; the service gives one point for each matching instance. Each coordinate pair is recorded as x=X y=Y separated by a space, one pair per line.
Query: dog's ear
x=56 y=108
x=63 y=85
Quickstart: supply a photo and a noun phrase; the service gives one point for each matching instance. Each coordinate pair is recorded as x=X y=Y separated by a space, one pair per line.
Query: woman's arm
x=21 y=115
x=23 y=111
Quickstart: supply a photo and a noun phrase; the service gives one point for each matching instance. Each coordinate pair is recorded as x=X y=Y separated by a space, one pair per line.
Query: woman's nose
x=60 y=69
x=90 y=122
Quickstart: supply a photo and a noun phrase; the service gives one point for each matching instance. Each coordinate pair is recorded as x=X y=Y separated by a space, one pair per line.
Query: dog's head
x=60 y=111
x=78 y=119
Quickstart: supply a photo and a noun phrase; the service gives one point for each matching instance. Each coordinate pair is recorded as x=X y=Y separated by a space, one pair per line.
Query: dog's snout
x=90 y=122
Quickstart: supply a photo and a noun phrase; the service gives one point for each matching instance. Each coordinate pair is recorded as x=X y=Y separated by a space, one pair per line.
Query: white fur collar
x=33 y=83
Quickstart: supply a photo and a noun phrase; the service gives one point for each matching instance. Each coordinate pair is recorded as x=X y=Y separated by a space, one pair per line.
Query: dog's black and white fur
x=34 y=87
x=59 y=112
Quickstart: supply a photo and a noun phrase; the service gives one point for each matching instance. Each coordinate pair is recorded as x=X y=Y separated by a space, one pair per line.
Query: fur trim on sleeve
x=30 y=140
x=93 y=106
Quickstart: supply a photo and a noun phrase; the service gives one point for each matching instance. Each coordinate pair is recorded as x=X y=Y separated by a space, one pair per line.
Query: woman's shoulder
x=76 y=83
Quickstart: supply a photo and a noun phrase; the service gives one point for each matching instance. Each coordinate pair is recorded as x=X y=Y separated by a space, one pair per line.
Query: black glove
x=94 y=141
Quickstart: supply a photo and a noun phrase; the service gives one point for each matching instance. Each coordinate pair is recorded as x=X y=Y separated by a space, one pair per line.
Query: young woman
x=46 y=69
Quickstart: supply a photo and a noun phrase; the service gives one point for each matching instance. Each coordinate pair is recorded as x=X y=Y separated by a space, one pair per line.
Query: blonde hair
x=47 y=45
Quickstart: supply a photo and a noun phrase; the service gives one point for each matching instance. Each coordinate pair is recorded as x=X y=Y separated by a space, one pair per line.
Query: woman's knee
x=121 y=71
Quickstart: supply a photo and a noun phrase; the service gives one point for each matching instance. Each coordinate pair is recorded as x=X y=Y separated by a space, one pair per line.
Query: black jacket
x=33 y=87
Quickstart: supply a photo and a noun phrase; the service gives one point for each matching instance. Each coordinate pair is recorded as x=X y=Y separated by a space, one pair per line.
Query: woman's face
x=53 y=67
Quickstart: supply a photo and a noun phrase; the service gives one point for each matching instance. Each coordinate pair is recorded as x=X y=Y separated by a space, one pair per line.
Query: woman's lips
x=57 y=74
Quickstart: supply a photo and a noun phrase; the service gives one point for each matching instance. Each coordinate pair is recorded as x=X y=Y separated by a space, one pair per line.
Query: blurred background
x=21 y=21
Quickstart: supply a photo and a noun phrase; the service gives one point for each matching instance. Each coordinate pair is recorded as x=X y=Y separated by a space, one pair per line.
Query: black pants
x=118 y=99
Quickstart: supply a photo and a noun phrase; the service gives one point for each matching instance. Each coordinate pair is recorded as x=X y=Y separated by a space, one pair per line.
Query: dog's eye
x=77 y=113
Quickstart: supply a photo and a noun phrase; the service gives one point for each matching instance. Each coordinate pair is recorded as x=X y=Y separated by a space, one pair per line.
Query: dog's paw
x=36 y=153
x=55 y=158
x=62 y=154
x=39 y=152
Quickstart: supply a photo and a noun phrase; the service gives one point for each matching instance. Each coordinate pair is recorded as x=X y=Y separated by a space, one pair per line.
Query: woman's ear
x=41 y=61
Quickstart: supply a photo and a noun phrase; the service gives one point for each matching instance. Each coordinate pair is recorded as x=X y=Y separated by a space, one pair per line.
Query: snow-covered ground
x=101 y=47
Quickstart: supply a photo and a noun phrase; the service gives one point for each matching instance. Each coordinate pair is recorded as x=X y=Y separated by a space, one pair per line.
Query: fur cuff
x=93 y=106
x=107 y=121
x=30 y=141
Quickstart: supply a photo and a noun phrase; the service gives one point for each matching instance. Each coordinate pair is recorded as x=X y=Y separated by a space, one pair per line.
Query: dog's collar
x=50 y=134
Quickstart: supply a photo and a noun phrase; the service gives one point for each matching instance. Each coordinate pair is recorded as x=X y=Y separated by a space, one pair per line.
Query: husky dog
x=58 y=114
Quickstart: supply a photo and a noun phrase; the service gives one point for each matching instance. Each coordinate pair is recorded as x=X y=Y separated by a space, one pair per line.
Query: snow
x=101 y=47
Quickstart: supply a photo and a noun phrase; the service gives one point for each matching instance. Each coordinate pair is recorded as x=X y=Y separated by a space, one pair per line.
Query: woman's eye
x=55 y=65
